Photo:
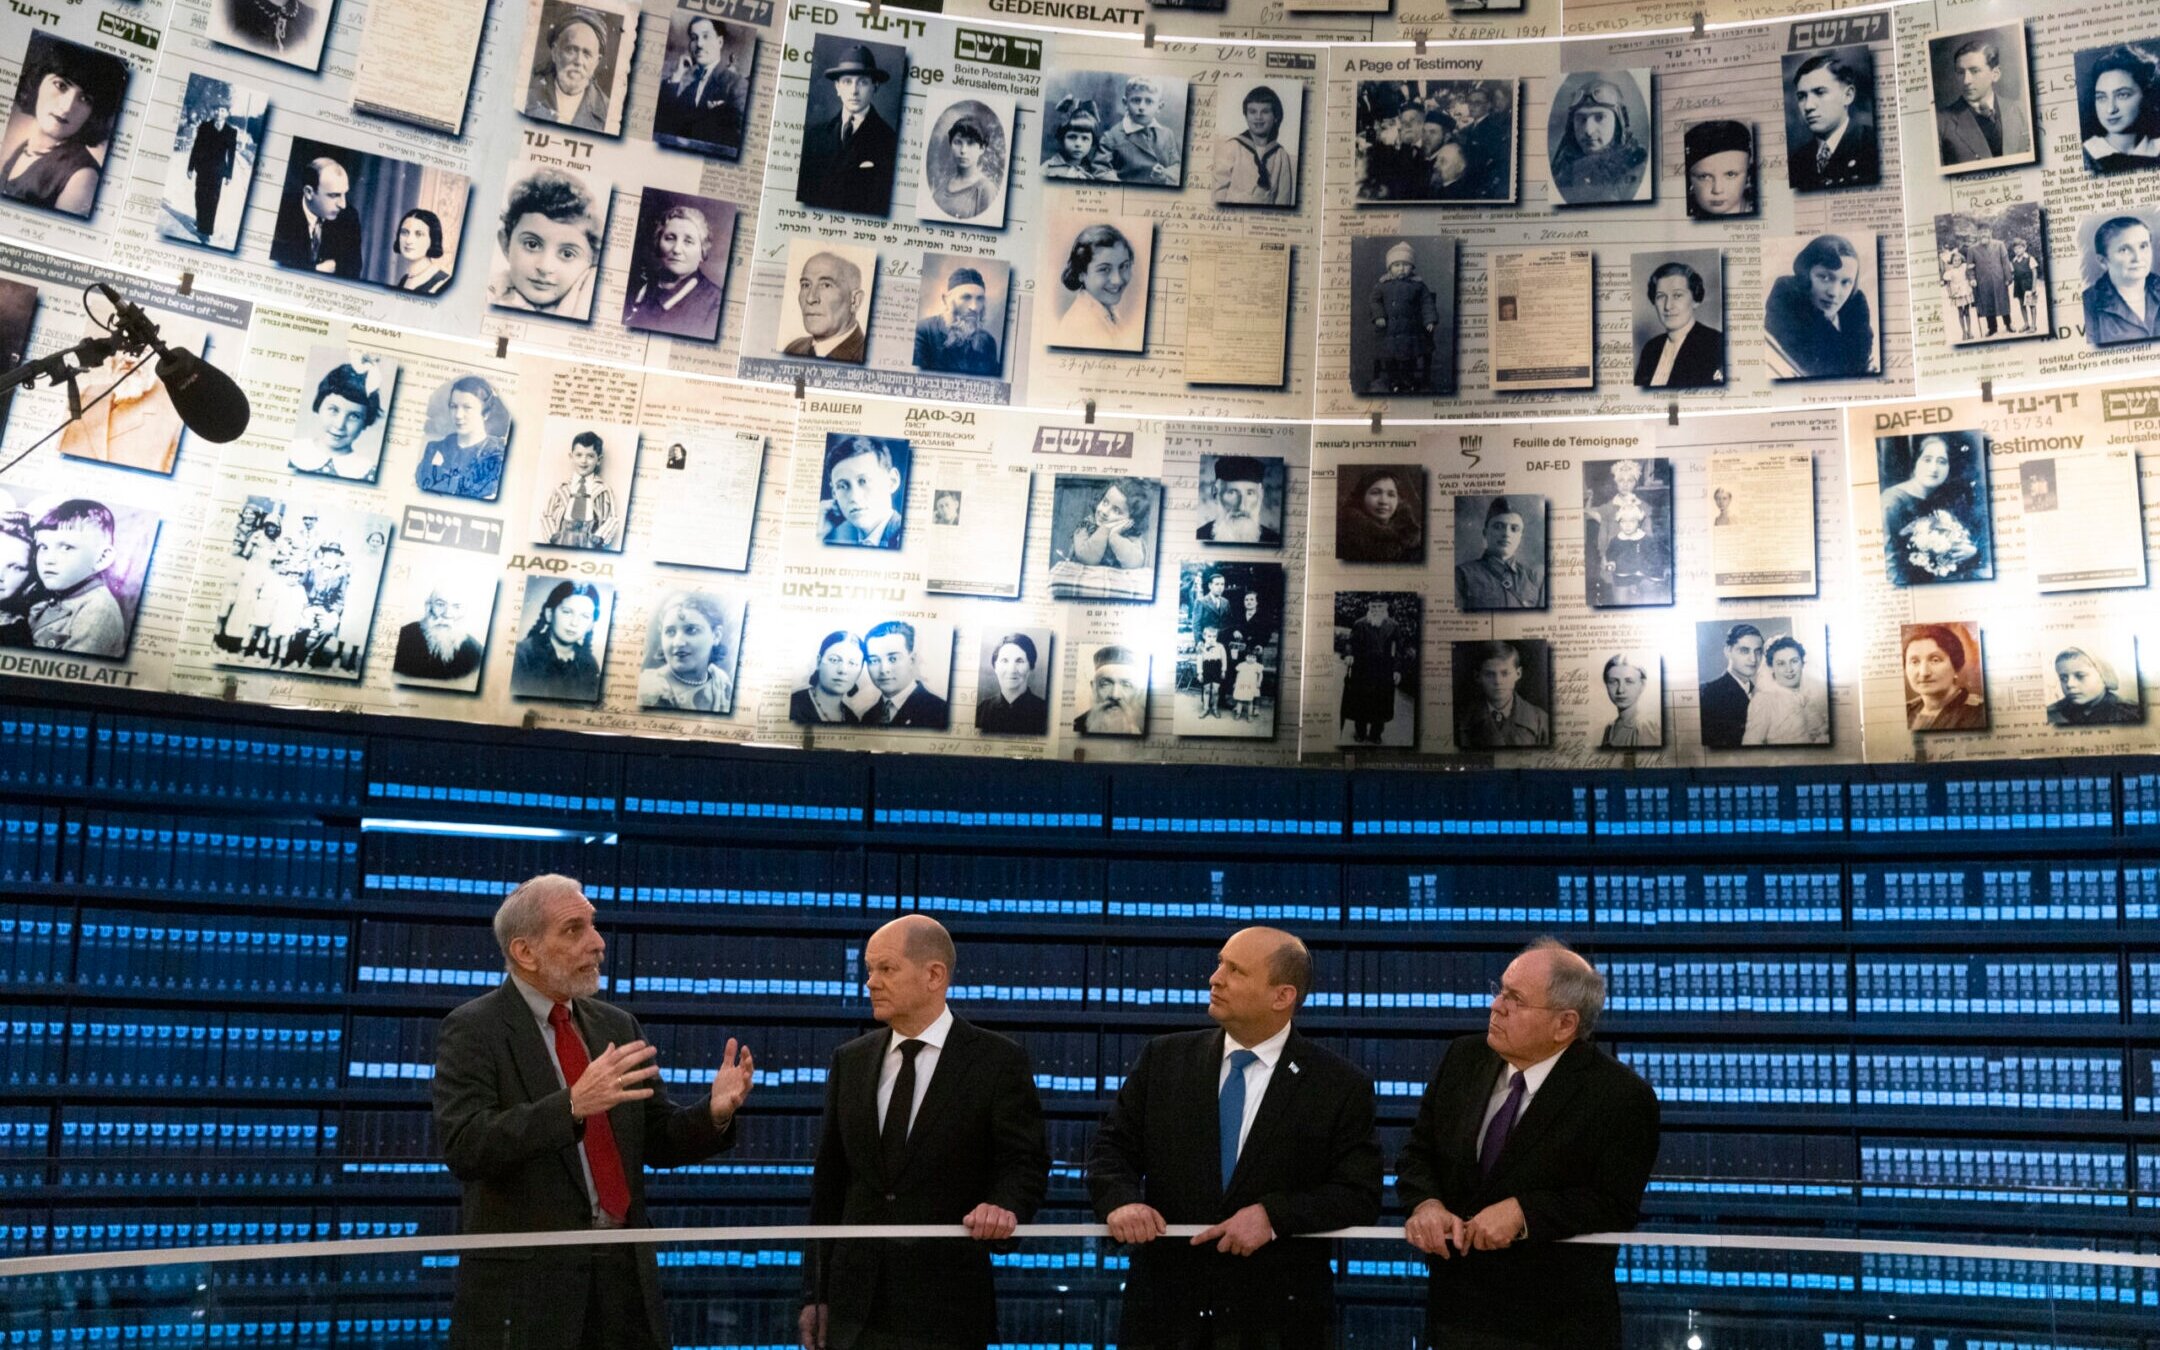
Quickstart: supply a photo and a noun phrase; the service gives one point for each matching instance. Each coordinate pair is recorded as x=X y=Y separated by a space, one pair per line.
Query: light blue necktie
x=1230 y=1110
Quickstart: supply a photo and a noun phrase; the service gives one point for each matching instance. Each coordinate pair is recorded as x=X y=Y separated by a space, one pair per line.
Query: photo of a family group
x=1448 y=141
x=1762 y=681
x=358 y=216
x=297 y=583
x=1229 y=649
x=72 y=569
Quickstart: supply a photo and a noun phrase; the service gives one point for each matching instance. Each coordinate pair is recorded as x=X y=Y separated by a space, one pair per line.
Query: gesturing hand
x=1135 y=1223
x=988 y=1223
x=731 y=1082
x=1242 y=1234
x=1433 y=1230
x=613 y=1077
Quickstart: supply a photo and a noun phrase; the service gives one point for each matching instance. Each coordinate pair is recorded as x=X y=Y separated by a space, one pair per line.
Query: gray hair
x=523 y=913
x=1574 y=984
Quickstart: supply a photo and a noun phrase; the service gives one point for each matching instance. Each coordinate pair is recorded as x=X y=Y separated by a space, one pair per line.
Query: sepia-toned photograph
x=1403 y=342
x=1762 y=681
x=1628 y=532
x=582 y=495
x=72 y=570
x=291 y=31
x=693 y=640
x=562 y=639
x=1993 y=267
x=1945 y=686
x=443 y=621
x=2118 y=91
x=2091 y=679
x=704 y=99
x=547 y=242
x=1380 y=513
x=60 y=130
x=298 y=583
x=1445 y=141
x=1628 y=709
x=1110 y=697
x=357 y=216
x=1503 y=694
x=578 y=55
x=1499 y=552
x=960 y=315
x=1831 y=137
x=1103 y=532
x=1259 y=130
x=1679 y=310
x=1819 y=314
x=1983 y=98
x=1101 y=265
x=2121 y=293
x=1599 y=135
x=467 y=439
x=864 y=491
x=217 y=143
x=1106 y=126
x=128 y=416
x=1242 y=500
x=18 y=311
x=1721 y=169
x=340 y=432
x=967 y=160
x=1012 y=682
x=1378 y=636
x=851 y=126
x=679 y=272
x=1229 y=649
x=1936 y=522
x=832 y=284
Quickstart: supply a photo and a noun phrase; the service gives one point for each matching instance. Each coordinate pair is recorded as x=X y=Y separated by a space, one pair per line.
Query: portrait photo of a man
x=445 y=642
x=1598 y=137
x=904 y=674
x=705 y=95
x=831 y=284
x=1241 y=500
x=1501 y=694
x=1500 y=552
x=851 y=137
x=960 y=328
x=1114 y=694
x=1830 y=139
x=1983 y=107
x=215 y=149
x=865 y=491
x=318 y=222
x=578 y=56
x=681 y=265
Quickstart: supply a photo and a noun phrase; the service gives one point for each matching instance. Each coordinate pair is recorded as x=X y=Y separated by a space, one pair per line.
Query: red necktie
x=600 y=1154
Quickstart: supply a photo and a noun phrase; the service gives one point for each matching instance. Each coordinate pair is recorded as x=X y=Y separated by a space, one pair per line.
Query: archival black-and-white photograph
x=216 y=145
x=1503 y=694
x=1819 y=314
x=851 y=127
x=693 y=640
x=297 y=583
x=1983 y=98
x=2091 y=678
x=830 y=315
x=60 y=130
x=1499 y=551
x=1679 y=304
x=578 y=55
x=1110 y=690
x=960 y=315
x=1378 y=635
x=878 y=673
x=562 y=639
x=1721 y=168
x=547 y=242
x=1761 y=680
x=704 y=98
x=864 y=490
x=2121 y=292
x=1993 y=266
x=678 y=274
x=128 y=416
x=1402 y=342
x=1628 y=532
x=1229 y=649
x=967 y=159
x=1103 y=531
x=1012 y=682
x=291 y=31
x=1447 y=141
x=1259 y=138
x=72 y=570
x=1936 y=523
x=339 y=433
x=1242 y=499
x=1945 y=682
x=1380 y=513
x=1093 y=279
x=1139 y=132
x=467 y=439
x=2037 y=487
x=1599 y=135
x=357 y=216
x=2118 y=91
x=581 y=498
x=443 y=618
x=18 y=311
x=1831 y=137
x=1627 y=702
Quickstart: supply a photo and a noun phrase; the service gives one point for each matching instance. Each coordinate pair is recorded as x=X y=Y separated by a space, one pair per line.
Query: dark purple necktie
x=1496 y=1133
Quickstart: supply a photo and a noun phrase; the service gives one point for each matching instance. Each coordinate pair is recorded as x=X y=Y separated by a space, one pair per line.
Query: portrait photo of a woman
x=1943 y=677
x=833 y=683
x=2093 y=691
x=964 y=164
x=690 y=648
x=2119 y=106
x=419 y=245
x=1936 y=524
x=2122 y=294
x=468 y=441
x=1380 y=513
x=1009 y=691
x=1102 y=289
x=565 y=642
x=1818 y=319
x=67 y=100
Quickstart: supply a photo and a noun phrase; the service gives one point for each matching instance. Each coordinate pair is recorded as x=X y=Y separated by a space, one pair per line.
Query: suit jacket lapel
x=1550 y=1104
x=1204 y=1088
x=955 y=1060
x=1466 y=1135
x=530 y=1058
x=858 y=1103
x=1275 y=1107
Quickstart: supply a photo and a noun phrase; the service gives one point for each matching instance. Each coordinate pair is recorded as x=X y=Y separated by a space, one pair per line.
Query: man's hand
x=731 y=1082
x=987 y=1223
x=1135 y=1224
x=612 y=1078
x=1434 y=1231
x=811 y=1326
x=1495 y=1227
x=1242 y=1234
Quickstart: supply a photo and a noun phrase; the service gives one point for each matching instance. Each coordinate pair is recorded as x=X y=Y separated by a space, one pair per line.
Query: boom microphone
x=206 y=398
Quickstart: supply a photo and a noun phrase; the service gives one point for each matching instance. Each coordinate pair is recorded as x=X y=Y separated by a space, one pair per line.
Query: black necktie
x=892 y=1140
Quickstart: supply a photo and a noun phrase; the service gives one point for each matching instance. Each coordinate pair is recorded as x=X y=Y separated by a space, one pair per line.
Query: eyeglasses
x=1514 y=1002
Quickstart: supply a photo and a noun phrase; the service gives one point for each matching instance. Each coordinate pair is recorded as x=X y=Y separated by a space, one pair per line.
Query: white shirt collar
x=933 y=1035
x=540 y=1004
x=827 y=346
x=1268 y=1050
x=1835 y=137
x=1534 y=1077
x=1129 y=126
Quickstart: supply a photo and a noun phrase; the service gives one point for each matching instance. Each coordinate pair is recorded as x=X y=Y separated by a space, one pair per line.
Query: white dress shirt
x=1533 y=1078
x=1258 y=1074
x=933 y=1039
x=542 y=1006
x=1663 y=374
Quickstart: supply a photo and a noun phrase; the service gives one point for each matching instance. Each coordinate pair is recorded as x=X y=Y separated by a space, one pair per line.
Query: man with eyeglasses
x=1528 y=1135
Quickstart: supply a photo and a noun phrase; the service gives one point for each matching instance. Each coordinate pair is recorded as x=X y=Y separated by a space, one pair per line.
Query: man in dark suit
x=890 y=662
x=1258 y=1133
x=1688 y=354
x=1527 y=1135
x=549 y=1110
x=1839 y=152
x=210 y=164
x=1982 y=123
x=929 y=1120
x=1723 y=702
x=315 y=231
x=848 y=159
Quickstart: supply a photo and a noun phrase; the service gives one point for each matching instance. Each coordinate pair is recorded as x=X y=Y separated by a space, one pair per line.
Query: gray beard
x=443 y=641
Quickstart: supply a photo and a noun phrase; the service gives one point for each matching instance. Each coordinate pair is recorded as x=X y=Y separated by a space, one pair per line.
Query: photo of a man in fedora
x=850 y=148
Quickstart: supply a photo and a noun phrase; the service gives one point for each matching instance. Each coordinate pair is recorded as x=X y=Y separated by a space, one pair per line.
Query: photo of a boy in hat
x=851 y=147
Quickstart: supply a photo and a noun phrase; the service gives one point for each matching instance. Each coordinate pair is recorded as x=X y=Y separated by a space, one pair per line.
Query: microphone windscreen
x=205 y=397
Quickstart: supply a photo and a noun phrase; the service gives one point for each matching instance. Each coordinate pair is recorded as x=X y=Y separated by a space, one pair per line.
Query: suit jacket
x=1857 y=162
x=977 y=1137
x=211 y=156
x=1724 y=706
x=922 y=709
x=1577 y=1162
x=853 y=348
x=507 y=1135
x=289 y=245
x=861 y=181
x=1311 y=1159
x=1957 y=128
x=1700 y=364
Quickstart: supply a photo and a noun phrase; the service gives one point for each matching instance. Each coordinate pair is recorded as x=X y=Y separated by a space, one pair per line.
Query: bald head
x=1261 y=976
x=922 y=939
x=1549 y=998
x=907 y=967
x=1288 y=961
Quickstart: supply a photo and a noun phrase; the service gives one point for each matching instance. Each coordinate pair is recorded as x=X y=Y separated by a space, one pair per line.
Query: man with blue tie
x=1527 y=1136
x=1287 y=1149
